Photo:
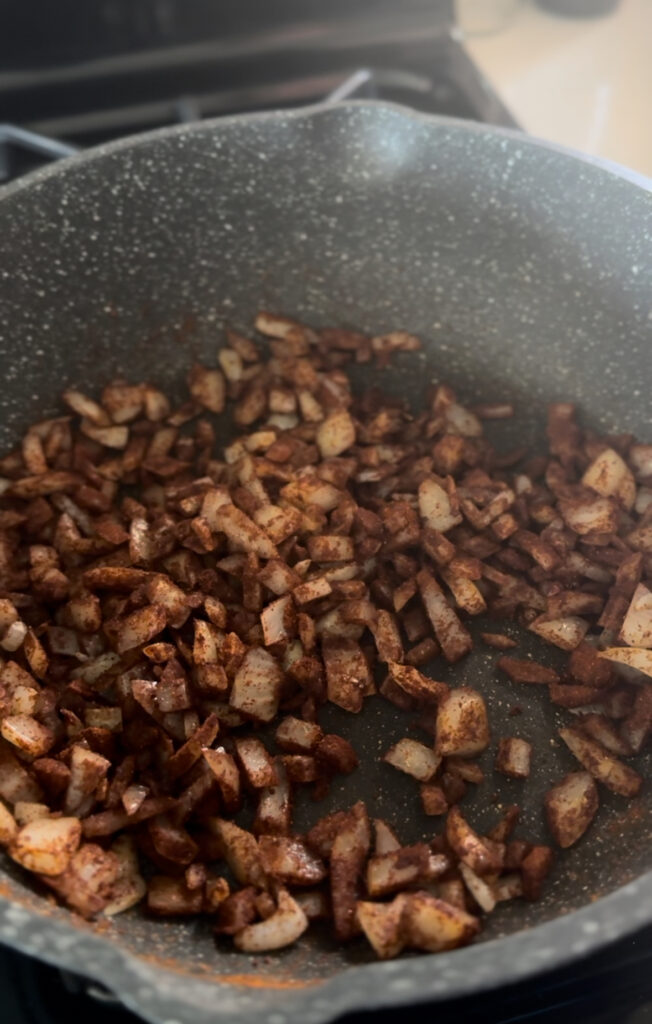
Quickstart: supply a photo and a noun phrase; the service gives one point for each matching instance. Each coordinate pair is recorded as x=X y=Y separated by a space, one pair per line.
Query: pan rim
x=475 y=969
x=478 y=968
x=127 y=142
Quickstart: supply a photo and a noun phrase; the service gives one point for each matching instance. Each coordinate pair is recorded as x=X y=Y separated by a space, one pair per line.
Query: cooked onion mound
x=174 y=614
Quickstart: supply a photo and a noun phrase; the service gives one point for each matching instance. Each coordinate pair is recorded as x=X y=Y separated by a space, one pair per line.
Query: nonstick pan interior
x=527 y=274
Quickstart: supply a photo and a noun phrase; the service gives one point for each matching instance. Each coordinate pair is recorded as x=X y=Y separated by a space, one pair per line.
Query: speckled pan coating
x=526 y=271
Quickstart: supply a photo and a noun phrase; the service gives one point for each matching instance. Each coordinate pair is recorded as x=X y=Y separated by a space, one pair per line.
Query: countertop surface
x=584 y=83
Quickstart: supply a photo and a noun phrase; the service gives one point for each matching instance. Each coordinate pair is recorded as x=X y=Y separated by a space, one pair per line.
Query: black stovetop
x=121 y=67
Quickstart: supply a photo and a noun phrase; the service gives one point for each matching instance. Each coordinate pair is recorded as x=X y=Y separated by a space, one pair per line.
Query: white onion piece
x=640 y=538
x=566 y=633
x=631 y=657
x=435 y=506
x=481 y=892
x=281 y=929
x=579 y=563
x=610 y=476
x=636 y=630
x=46 y=845
x=599 y=515
x=643 y=500
x=460 y=421
x=414 y=759
x=640 y=456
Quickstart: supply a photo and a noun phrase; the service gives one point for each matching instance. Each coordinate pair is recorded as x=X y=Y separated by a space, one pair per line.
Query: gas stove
x=127 y=67
x=76 y=74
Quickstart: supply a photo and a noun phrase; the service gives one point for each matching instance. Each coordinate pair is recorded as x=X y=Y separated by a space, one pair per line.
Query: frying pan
x=527 y=273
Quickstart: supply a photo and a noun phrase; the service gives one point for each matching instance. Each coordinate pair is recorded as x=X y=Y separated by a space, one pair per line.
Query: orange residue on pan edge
x=258 y=981
x=206 y=972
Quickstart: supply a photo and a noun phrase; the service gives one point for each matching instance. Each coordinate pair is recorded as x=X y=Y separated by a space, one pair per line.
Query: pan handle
x=11 y=134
